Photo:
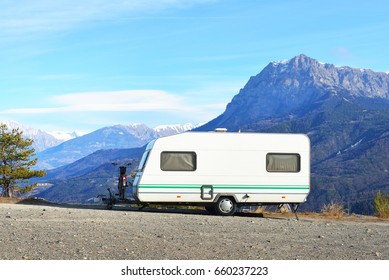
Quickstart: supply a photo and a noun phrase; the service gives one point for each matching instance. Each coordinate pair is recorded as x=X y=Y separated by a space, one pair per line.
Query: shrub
x=381 y=205
x=333 y=210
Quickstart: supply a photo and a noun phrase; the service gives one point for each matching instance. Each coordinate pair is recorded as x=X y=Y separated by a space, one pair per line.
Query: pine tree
x=16 y=159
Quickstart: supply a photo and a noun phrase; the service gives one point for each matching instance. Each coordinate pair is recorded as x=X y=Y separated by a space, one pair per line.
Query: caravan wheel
x=225 y=206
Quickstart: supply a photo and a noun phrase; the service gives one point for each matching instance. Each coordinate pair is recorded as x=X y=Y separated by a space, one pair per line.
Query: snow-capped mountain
x=65 y=136
x=111 y=137
x=42 y=139
x=165 y=130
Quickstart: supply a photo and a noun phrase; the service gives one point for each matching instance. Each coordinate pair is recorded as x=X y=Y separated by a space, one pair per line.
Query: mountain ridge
x=110 y=137
x=281 y=90
x=42 y=139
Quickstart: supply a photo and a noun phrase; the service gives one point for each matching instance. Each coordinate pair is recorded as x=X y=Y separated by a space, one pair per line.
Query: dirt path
x=65 y=232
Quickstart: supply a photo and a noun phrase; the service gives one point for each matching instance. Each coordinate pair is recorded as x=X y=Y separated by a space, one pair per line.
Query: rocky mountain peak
x=355 y=82
x=293 y=86
x=298 y=62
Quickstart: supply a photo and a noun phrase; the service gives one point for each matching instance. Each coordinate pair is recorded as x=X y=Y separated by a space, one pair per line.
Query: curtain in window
x=178 y=161
x=283 y=162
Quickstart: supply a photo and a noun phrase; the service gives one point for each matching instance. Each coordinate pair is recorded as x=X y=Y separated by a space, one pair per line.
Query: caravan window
x=276 y=162
x=178 y=161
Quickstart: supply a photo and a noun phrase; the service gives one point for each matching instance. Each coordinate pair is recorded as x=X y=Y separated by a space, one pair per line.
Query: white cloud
x=112 y=101
x=24 y=17
x=92 y=110
x=120 y=101
x=127 y=100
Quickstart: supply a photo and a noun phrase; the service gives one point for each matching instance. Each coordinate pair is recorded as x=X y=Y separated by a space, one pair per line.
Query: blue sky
x=85 y=64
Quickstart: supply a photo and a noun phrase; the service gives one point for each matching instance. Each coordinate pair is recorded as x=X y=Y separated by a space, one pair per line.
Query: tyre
x=225 y=206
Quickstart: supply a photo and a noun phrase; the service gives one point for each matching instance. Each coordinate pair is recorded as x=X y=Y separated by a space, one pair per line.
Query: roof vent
x=221 y=129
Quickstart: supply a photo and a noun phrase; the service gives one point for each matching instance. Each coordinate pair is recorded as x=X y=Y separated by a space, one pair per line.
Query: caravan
x=223 y=170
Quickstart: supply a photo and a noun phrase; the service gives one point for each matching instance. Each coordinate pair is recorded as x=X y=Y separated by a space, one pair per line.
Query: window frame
x=284 y=154
x=194 y=160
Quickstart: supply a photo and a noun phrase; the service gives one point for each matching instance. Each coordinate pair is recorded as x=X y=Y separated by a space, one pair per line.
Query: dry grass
x=333 y=210
x=9 y=200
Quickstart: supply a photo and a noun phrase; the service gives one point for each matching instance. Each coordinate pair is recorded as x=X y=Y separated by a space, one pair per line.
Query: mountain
x=65 y=136
x=344 y=111
x=112 y=137
x=42 y=139
x=86 y=164
x=81 y=181
x=166 y=130
x=291 y=88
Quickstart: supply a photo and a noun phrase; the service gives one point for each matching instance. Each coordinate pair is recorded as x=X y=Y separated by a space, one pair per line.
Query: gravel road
x=46 y=232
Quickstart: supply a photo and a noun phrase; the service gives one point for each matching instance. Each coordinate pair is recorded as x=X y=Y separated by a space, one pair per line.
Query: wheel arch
x=231 y=195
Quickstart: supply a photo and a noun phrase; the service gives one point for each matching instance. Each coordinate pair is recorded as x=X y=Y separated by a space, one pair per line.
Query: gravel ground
x=45 y=232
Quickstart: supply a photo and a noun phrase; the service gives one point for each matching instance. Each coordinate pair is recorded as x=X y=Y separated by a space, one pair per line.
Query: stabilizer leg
x=295 y=207
x=111 y=201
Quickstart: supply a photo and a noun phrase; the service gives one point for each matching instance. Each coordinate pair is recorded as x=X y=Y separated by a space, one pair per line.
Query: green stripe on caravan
x=253 y=187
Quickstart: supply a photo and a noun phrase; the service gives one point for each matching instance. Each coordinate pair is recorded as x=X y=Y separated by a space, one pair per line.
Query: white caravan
x=223 y=170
